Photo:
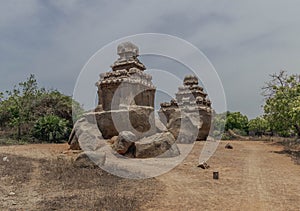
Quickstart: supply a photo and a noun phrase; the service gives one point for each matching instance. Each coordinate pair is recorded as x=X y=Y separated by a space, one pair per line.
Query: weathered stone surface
x=124 y=141
x=155 y=145
x=85 y=135
x=172 y=152
x=127 y=83
x=185 y=126
x=160 y=127
x=89 y=159
x=138 y=120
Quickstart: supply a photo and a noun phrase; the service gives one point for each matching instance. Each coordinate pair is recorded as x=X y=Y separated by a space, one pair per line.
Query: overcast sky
x=245 y=40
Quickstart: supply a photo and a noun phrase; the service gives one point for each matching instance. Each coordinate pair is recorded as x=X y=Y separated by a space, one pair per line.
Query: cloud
x=245 y=41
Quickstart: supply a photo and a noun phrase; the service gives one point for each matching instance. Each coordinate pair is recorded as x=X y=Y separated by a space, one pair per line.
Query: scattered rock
x=203 y=165
x=90 y=159
x=228 y=146
x=5 y=159
x=12 y=194
x=156 y=145
x=124 y=141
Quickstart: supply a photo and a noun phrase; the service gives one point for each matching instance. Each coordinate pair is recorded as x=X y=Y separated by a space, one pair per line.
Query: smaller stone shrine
x=189 y=113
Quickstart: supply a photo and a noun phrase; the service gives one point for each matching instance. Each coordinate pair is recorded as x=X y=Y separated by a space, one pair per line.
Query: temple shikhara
x=190 y=98
x=136 y=86
x=125 y=115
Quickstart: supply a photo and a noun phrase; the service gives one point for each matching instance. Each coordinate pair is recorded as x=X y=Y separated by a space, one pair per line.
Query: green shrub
x=51 y=128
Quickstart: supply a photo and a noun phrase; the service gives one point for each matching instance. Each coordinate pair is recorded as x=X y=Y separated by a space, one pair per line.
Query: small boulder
x=5 y=159
x=156 y=145
x=124 y=141
x=203 y=165
x=228 y=146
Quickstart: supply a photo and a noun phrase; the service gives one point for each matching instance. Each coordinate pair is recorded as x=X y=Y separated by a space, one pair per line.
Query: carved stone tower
x=127 y=80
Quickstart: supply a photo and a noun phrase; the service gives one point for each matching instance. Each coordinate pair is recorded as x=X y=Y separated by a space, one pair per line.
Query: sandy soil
x=252 y=177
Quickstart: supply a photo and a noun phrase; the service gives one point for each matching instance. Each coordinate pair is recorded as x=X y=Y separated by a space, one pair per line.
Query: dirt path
x=252 y=177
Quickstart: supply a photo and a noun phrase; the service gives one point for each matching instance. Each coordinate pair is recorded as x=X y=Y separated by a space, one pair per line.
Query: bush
x=23 y=108
x=51 y=128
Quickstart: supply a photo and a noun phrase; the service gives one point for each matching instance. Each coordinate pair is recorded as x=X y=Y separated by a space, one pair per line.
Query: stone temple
x=124 y=119
x=128 y=72
x=126 y=93
x=190 y=99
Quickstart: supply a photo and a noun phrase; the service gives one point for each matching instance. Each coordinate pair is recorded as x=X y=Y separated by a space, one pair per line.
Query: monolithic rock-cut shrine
x=126 y=93
x=190 y=100
x=136 y=86
x=124 y=118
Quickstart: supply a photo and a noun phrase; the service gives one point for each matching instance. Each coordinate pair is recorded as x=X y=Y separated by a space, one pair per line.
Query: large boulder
x=124 y=141
x=85 y=135
x=156 y=145
x=185 y=126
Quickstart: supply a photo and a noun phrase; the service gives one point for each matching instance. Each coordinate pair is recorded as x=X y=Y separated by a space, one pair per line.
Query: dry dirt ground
x=252 y=177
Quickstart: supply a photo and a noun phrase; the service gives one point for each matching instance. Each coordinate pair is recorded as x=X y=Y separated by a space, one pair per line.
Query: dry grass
x=60 y=185
x=252 y=177
x=291 y=148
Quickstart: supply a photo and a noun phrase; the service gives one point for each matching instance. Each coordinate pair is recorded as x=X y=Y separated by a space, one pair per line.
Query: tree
x=236 y=120
x=259 y=125
x=282 y=106
x=230 y=121
x=16 y=110
x=26 y=104
x=219 y=122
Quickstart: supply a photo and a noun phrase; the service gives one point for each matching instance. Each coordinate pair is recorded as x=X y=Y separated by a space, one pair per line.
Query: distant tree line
x=281 y=111
x=31 y=113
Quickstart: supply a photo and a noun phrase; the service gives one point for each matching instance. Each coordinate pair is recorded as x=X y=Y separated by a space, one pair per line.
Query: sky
x=244 y=40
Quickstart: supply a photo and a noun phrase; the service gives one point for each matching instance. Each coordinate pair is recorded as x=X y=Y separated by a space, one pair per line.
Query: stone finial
x=190 y=80
x=127 y=50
